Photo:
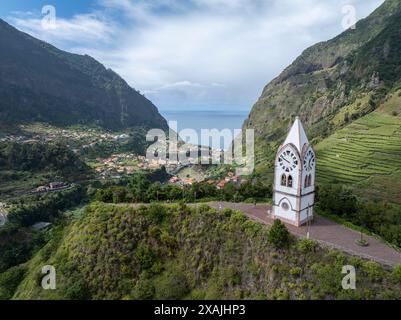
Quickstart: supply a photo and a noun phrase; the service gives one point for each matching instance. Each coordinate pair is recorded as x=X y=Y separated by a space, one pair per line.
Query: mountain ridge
x=331 y=85
x=40 y=82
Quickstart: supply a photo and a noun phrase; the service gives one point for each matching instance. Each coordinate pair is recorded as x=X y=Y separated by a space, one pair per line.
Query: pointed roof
x=297 y=135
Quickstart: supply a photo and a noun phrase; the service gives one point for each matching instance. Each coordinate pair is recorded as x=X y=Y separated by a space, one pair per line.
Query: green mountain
x=40 y=83
x=346 y=91
x=177 y=252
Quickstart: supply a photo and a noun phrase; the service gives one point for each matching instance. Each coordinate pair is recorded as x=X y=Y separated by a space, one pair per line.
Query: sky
x=189 y=54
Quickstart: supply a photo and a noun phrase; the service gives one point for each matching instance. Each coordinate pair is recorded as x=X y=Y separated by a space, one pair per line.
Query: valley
x=79 y=192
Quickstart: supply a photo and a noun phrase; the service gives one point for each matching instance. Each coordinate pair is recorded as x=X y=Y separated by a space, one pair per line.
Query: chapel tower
x=294 y=178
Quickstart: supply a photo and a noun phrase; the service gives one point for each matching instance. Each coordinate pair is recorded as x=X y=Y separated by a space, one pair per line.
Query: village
x=78 y=139
x=187 y=180
x=53 y=186
x=124 y=164
x=119 y=165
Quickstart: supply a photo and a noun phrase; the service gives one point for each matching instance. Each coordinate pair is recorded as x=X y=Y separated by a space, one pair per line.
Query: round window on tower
x=285 y=206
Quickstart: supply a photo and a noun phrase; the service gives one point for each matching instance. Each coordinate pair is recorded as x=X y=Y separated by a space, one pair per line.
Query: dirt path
x=326 y=232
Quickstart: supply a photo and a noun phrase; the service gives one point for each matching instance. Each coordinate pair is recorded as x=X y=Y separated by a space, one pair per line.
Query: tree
x=336 y=199
x=279 y=235
x=143 y=289
x=138 y=187
x=346 y=117
x=229 y=192
x=171 y=285
x=119 y=194
x=154 y=192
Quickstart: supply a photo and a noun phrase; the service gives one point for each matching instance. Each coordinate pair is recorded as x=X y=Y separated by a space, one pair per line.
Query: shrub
x=171 y=285
x=280 y=294
x=252 y=228
x=337 y=199
x=156 y=212
x=144 y=256
x=279 y=235
x=144 y=289
x=397 y=273
x=168 y=240
x=227 y=212
x=297 y=271
x=119 y=194
x=362 y=242
x=77 y=289
x=307 y=245
x=9 y=281
x=372 y=270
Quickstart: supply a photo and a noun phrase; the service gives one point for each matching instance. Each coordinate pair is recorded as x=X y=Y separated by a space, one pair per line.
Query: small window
x=306 y=184
x=285 y=206
x=284 y=180
x=290 y=182
x=310 y=181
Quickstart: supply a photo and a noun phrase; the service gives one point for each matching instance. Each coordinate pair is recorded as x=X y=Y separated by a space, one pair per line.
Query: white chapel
x=294 y=178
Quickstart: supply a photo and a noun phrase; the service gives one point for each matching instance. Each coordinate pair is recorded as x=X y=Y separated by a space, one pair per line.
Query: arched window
x=290 y=182
x=284 y=180
x=306 y=184
x=310 y=181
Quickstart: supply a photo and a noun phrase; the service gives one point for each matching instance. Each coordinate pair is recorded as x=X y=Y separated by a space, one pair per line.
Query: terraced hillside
x=366 y=154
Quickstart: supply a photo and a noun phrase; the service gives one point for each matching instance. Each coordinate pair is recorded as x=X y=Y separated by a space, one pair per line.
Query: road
x=326 y=232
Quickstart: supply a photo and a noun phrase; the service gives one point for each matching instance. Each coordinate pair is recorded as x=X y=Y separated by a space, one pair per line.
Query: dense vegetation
x=36 y=157
x=381 y=218
x=25 y=166
x=44 y=207
x=17 y=239
x=22 y=168
x=141 y=190
x=175 y=252
x=136 y=143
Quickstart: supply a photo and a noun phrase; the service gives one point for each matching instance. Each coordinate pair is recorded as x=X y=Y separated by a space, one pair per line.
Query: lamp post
x=307 y=222
x=196 y=205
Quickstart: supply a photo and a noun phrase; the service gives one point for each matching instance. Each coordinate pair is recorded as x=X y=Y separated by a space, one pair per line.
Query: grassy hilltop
x=177 y=252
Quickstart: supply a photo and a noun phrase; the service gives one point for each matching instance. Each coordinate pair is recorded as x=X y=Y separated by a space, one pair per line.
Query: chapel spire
x=297 y=135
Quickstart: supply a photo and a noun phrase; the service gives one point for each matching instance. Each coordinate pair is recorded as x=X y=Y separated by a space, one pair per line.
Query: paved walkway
x=325 y=232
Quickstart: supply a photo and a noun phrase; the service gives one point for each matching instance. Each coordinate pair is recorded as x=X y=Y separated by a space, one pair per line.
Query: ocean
x=198 y=120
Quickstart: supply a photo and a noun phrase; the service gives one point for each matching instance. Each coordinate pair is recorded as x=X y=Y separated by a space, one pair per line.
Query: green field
x=366 y=154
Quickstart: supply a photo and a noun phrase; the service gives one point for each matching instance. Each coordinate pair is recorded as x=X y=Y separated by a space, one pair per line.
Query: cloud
x=198 y=53
x=81 y=29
